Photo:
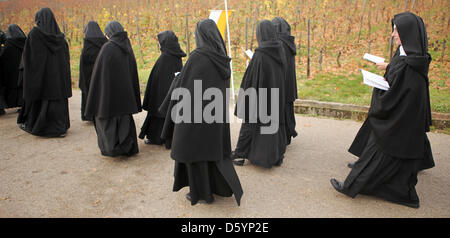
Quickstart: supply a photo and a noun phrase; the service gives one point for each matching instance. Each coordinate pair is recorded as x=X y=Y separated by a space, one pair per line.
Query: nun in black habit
x=392 y=144
x=2 y=88
x=9 y=63
x=93 y=42
x=266 y=70
x=114 y=94
x=159 y=81
x=202 y=150
x=46 y=79
x=290 y=84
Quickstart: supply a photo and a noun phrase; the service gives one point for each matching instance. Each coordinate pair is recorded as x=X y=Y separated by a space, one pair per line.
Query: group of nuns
x=35 y=76
x=392 y=145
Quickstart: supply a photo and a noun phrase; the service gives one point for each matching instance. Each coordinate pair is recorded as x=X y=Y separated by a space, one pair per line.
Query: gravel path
x=68 y=177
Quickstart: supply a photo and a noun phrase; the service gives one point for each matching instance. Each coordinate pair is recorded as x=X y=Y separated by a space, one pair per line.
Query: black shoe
x=339 y=186
x=147 y=142
x=239 y=162
x=234 y=155
x=2 y=112
x=279 y=162
x=351 y=165
x=22 y=126
x=188 y=196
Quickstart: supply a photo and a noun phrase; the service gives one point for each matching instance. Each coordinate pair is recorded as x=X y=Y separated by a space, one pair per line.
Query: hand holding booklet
x=374 y=80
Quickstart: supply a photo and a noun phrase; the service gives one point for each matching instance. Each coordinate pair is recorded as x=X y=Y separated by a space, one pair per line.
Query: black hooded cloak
x=202 y=150
x=401 y=116
x=9 y=63
x=114 y=94
x=266 y=70
x=46 y=79
x=93 y=42
x=3 y=104
x=288 y=42
x=159 y=81
x=392 y=145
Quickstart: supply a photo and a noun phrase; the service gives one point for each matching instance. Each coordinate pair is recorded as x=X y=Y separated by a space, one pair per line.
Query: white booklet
x=249 y=54
x=373 y=58
x=374 y=80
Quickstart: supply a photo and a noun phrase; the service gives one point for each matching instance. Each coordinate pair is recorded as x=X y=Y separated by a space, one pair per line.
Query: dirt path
x=69 y=178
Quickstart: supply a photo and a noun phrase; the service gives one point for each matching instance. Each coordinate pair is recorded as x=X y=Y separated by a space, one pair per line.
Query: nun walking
x=202 y=150
x=392 y=144
x=114 y=94
x=159 y=81
x=46 y=79
x=2 y=88
x=290 y=84
x=266 y=71
x=93 y=42
x=9 y=62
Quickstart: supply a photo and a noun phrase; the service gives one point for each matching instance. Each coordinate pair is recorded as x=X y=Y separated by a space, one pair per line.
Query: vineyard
x=338 y=32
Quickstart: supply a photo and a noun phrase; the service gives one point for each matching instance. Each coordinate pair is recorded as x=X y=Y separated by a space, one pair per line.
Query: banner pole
x=229 y=50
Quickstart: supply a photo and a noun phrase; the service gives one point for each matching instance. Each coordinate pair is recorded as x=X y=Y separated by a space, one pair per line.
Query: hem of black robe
x=428 y=160
x=152 y=129
x=250 y=143
x=13 y=97
x=383 y=176
x=34 y=117
x=218 y=178
x=124 y=143
x=83 y=108
x=290 y=122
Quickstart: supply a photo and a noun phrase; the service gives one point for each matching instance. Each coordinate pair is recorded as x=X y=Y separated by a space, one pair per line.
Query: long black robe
x=114 y=95
x=9 y=63
x=93 y=42
x=290 y=84
x=159 y=81
x=265 y=71
x=392 y=144
x=202 y=150
x=3 y=104
x=46 y=79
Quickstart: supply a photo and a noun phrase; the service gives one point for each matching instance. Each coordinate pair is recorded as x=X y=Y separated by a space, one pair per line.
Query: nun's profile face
x=396 y=36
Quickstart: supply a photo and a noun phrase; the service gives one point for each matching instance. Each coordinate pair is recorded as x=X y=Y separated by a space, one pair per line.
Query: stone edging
x=359 y=113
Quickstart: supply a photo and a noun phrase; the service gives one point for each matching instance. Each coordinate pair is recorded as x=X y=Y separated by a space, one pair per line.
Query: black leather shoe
x=2 y=112
x=22 y=126
x=239 y=162
x=339 y=186
x=188 y=196
x=350 y=165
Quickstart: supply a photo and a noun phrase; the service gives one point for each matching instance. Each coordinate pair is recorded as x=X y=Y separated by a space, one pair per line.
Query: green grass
x=335 y=88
